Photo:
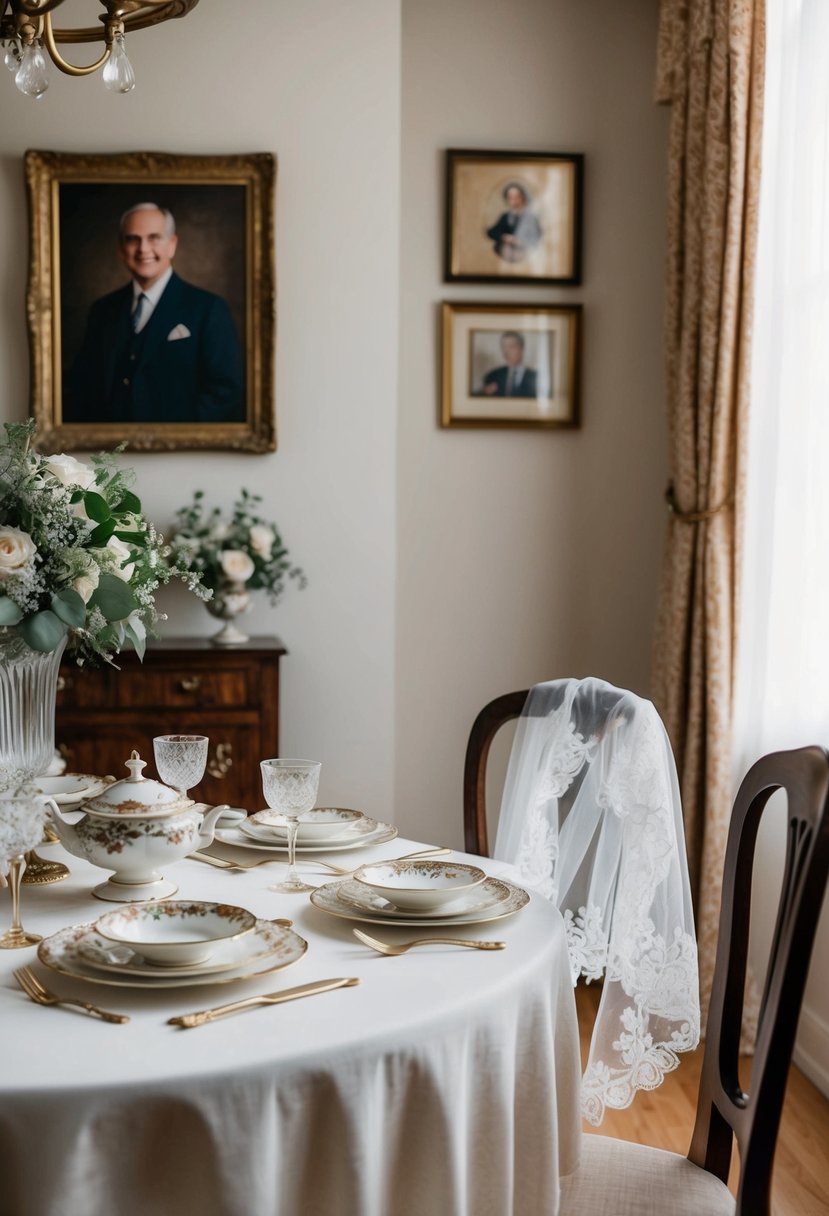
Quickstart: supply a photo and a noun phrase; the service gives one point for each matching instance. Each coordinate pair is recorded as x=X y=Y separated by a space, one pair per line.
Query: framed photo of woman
x=513 y=217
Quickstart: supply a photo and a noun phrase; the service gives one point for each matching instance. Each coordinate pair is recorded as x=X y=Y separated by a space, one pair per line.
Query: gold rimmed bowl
x=420 y=886
x=175 y=933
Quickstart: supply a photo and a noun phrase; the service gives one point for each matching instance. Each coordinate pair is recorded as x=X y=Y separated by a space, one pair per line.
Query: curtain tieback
x=694 y=517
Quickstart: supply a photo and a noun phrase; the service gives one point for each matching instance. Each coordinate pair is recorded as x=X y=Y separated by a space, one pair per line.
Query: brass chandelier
x=27 y=32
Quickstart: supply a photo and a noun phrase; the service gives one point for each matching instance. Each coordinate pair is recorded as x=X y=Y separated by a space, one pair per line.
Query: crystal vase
x=28 y=688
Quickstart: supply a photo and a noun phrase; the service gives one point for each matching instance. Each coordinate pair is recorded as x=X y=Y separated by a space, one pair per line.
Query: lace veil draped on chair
x=591 y=818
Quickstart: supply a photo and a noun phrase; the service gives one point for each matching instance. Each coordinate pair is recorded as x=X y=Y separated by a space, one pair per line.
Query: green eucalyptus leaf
x=10 y=614
x=69 y=606
x=97 y=507
x=114 y=597
x=129 y=502
x=43 y=631
x=139 y=641
x=100 y=535
x=139 y=539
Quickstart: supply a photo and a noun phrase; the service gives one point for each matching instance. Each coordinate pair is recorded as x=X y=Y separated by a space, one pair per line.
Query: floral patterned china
x=264 y=940
x=322 y=823
x=173 y=933
x=336 y=898
x=133 y=827
x=480 y=898
x=269 y=947
x=420 y=886
x=367 y=832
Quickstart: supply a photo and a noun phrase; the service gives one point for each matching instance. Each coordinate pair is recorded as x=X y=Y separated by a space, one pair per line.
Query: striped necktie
x=139 y=312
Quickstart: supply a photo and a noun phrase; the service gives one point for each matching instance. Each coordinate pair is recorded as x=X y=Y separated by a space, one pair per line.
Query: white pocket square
x=180 y=331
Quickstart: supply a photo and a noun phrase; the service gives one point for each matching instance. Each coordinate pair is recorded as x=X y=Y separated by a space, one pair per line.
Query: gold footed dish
x=40 y=872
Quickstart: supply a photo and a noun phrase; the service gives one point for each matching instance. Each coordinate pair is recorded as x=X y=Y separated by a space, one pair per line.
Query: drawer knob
x=190 y=684
x=221 y=762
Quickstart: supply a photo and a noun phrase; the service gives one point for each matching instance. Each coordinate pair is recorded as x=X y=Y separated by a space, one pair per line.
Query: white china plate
x=356 y=894
x=379 y=834
x=61 y=953
x=69 y=787
x=327 y=899
x=263 y=941
x=271 y=827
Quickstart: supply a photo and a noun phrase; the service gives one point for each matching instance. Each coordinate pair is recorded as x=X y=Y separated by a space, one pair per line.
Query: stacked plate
x=70 y=789
x=172 y=944
x=324 y=830
x=420 y=893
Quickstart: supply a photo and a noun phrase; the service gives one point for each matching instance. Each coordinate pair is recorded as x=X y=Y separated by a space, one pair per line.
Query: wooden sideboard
x=184 y=686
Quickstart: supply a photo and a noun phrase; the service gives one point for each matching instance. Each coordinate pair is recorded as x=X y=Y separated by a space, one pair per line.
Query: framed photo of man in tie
x=513 y=216
x=152 y=300
x=511 y=365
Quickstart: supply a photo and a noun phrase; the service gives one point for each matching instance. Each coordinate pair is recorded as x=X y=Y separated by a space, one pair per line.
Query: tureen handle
x=135 y=764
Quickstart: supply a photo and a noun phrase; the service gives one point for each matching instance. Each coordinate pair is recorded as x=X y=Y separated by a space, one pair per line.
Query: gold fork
x=342 y=871
x=36 y=992
x=392 y=951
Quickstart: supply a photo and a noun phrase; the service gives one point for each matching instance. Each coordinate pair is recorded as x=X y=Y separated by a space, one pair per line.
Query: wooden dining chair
x=484 y=729
x=617 y=1178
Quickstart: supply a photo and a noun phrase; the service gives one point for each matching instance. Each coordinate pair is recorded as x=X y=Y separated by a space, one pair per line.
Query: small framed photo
x=513 y=217
x=152 y=301
x=511 y=365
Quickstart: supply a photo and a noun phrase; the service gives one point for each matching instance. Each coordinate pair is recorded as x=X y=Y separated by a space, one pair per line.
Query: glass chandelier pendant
x=12 y=56
x=31 y=77
x=118 y=74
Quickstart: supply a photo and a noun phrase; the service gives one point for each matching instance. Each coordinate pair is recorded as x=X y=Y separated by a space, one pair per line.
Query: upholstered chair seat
x=617 y=1178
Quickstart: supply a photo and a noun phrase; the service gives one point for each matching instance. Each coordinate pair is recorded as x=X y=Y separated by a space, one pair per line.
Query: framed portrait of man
x=511 y=365
x=151 y=304
x=513 y=216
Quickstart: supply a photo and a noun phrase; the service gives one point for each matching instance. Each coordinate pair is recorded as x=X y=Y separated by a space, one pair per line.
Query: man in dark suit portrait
x=514 y=379
x=158 y=349
x=517 y=231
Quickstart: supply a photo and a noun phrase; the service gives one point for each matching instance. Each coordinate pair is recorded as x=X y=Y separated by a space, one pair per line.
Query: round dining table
x=445 y=1084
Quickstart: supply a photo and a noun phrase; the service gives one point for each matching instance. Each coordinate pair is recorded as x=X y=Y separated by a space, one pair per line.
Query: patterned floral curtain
x=710 y=72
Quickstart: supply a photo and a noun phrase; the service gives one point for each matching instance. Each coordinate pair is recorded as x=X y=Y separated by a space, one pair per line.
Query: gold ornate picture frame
x=199 y=373
x=511 y=365
x=513 y=217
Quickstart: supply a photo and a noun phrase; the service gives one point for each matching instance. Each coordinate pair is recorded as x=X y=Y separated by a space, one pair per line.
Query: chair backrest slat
x=724 y=1110
x=484 y=729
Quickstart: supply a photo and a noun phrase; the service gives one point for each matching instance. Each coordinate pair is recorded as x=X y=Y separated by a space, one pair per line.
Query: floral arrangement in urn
x=77 y=556
x=232 y=558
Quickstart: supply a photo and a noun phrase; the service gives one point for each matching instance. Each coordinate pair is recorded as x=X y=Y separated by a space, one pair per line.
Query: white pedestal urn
x=230 y=601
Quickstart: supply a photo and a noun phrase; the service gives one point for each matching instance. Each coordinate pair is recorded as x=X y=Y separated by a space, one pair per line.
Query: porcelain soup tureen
x=134 y=827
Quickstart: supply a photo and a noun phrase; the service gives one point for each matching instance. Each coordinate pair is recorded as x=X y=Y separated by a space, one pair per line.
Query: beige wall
x=515 y=556
x=319 y=86
x=522 y=557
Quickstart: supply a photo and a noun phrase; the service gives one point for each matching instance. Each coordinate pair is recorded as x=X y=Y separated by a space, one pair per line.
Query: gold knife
x=187 y=1020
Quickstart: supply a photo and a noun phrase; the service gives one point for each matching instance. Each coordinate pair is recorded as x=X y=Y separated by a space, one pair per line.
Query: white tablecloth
x=446 y=1084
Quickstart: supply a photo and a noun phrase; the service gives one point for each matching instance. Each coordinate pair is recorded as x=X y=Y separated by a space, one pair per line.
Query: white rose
x=86 y=583
x=16 y=551
x=219 y=531
x=236 y=565
x=261 y=540
x=121 y=552
x=69 y=471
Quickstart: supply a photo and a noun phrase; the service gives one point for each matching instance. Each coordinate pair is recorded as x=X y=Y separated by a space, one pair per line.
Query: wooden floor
x=664 y=1118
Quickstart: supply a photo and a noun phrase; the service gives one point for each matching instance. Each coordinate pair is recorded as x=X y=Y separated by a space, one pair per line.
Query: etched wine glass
x=22 y=817
x=180 y=760
x=290 y=787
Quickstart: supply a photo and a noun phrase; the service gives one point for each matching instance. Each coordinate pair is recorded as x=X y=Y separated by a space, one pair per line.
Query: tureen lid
x=137 y=796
